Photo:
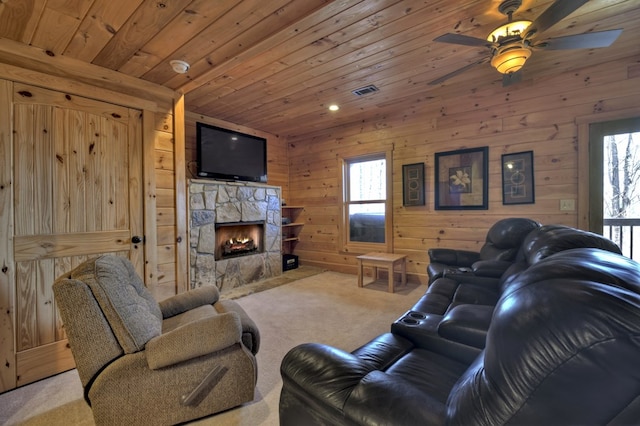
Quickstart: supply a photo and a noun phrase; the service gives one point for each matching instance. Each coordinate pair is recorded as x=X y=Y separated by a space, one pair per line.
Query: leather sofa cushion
x=467 y=324
x=430 y=372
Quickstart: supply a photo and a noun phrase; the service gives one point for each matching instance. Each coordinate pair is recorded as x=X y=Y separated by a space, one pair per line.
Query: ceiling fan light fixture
x=510 y=59
x=508 y=30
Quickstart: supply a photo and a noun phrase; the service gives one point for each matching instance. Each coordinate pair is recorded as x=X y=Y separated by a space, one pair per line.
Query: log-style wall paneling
x=538 y=115
x=150 y=132
x=165 y=198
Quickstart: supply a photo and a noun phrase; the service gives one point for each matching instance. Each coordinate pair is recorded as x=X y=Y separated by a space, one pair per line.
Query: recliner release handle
x=194 y=397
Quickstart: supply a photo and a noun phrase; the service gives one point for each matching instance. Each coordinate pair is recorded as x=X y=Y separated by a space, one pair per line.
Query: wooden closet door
x=77 y=194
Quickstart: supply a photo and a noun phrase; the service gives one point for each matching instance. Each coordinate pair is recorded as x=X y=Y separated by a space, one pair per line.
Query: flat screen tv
x=228 y=155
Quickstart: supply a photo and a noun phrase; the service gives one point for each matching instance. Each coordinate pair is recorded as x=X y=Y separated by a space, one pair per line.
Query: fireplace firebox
x=239 y=239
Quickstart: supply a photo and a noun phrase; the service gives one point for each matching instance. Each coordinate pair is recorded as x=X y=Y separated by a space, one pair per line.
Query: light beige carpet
x=327 y=308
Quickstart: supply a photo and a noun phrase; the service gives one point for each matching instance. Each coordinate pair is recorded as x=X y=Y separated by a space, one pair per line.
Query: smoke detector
x=181 y=67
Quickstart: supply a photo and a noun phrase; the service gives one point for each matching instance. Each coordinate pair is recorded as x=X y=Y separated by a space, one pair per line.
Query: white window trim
x=347 y=246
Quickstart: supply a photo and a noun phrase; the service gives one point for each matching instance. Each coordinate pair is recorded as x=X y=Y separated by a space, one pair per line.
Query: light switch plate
x=567 y=205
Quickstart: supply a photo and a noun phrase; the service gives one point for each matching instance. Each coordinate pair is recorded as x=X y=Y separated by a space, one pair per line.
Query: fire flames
x=238 y=246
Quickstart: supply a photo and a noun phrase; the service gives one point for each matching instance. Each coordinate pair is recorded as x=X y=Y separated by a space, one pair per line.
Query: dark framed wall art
x=461 y=179
x=518 y=185
x=413 y=184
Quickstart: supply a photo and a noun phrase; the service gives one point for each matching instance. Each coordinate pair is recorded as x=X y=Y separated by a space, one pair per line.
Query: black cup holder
x=410 y=321
x=417 y=315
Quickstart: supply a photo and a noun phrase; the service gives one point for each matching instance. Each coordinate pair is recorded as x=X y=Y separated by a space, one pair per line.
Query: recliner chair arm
x=183 y=302
x=453 y=257
x=198 y=338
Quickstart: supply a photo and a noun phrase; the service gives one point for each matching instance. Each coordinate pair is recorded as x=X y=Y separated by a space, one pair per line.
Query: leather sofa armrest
x=467 y=324
x=490 y=268
x=327 y=374
x=482 y=272
x=453 y=257
x=183 y=302
x=198 y=338
x=380 y=397
x=383 y=351
x=471 y=278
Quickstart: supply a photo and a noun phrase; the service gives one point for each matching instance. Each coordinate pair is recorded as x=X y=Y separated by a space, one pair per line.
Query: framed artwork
x=518 y=186
x=413 y=184
x=462 y=180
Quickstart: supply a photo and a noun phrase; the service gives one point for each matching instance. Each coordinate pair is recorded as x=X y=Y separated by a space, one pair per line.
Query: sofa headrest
x=564 y=341
x=505 y=237
x=128 y=306
x=550 y=239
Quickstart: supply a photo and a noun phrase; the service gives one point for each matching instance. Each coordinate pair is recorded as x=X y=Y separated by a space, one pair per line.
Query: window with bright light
x=365 y=202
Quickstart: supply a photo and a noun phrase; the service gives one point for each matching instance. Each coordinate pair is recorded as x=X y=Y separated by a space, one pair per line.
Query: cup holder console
x=413 y=318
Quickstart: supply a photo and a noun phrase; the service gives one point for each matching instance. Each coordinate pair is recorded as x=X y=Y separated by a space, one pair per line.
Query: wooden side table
x=383 y=260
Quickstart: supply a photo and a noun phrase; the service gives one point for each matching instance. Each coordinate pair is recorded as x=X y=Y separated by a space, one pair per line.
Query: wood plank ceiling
x=276 y=65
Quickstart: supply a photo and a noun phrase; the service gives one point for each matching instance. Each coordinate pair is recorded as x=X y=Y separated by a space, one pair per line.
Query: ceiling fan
x=512 y=44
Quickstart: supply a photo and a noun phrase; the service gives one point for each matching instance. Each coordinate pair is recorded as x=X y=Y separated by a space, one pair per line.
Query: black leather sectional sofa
x=555 y=339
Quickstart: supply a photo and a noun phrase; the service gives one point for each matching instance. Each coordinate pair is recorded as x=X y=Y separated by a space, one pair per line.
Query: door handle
x=136 y=240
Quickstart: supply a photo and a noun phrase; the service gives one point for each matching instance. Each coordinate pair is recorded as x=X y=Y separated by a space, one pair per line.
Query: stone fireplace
x=234 y=233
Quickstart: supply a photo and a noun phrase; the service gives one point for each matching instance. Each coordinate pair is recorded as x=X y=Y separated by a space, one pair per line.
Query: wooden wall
x=538 y=115
x=277 y=158
x=161 y=209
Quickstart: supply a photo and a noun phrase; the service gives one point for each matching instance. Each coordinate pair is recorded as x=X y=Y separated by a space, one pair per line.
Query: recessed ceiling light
x=333 y=107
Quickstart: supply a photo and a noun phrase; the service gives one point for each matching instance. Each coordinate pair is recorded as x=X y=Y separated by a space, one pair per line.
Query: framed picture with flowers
x=462 y=180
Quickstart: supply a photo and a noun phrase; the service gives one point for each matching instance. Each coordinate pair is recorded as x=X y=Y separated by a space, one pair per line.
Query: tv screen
x=229 y=155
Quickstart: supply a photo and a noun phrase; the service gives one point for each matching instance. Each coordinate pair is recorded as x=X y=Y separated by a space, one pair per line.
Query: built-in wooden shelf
x=290 y=230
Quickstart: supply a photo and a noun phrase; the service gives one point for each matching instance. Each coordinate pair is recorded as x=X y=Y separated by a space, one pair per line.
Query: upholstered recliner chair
x=143 y=362
x=501 y=244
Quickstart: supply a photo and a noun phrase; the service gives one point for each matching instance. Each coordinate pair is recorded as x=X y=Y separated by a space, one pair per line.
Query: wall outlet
x=567 y=205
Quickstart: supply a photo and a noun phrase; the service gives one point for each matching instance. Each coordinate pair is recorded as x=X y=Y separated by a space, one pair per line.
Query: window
x=614 y=194
x=366 y=203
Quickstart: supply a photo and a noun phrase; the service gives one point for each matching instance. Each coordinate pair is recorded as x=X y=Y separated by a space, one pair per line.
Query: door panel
x=77 y=194
x=597 y=133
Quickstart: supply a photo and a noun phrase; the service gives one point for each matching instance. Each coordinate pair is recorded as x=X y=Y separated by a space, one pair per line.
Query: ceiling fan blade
x=581 y=41
x=554 y=14
x=461 y=39
x=456 y=72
